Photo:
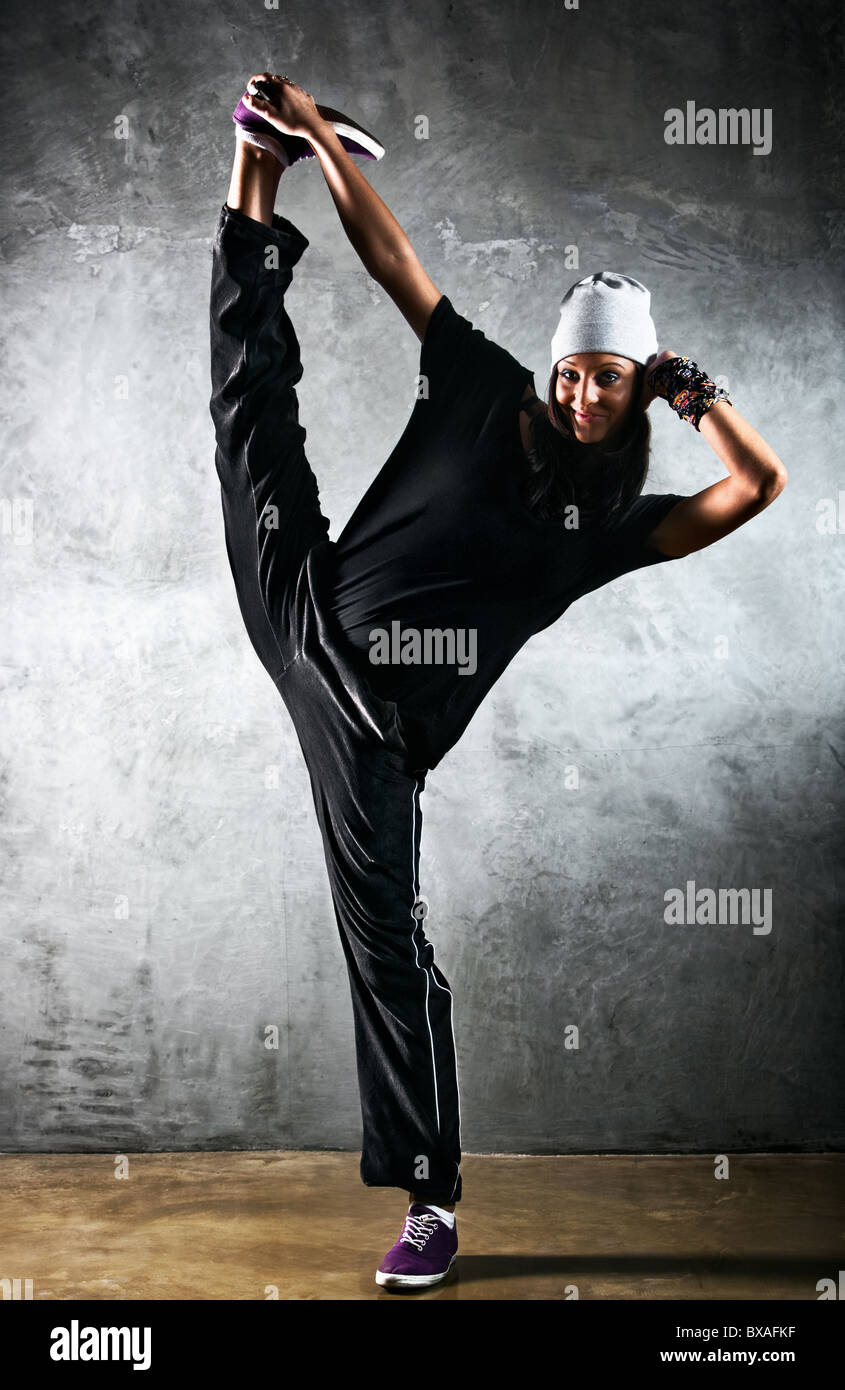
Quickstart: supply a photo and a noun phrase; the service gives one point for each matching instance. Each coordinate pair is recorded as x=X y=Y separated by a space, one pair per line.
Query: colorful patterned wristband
x=689 y=391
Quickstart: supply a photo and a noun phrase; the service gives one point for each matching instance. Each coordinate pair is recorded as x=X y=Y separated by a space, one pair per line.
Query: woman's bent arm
x=757 y=478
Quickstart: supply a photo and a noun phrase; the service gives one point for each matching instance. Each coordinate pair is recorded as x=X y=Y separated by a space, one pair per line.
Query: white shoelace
x=418 y=1229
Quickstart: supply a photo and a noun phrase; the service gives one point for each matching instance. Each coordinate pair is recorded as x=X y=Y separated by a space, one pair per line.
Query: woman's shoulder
x=529 y=407
x=530 y=400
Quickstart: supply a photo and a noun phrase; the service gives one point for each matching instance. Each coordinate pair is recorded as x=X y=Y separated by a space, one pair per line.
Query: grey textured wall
x=164 y=897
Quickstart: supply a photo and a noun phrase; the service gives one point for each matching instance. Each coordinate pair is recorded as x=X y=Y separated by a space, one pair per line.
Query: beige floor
x=241 y=1225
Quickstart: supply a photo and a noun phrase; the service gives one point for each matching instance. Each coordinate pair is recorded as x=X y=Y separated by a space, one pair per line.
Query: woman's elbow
x=774 y=483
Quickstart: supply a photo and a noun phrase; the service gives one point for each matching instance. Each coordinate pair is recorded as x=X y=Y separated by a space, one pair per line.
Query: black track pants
x=366 y=795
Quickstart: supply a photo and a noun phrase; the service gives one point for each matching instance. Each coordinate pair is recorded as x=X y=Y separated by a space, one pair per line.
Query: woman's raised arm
x=377 y=237
x=374 y=232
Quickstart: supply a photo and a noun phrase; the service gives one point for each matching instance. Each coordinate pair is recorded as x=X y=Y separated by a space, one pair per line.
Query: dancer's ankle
x=258 y=155
x=446 y=1206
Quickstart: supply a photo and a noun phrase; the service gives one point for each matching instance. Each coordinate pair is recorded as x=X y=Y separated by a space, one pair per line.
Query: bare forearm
x=755 y=469
x=743 y=451
x=370 y=225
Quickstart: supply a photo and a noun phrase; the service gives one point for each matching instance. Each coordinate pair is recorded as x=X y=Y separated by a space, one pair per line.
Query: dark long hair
x=600 y=479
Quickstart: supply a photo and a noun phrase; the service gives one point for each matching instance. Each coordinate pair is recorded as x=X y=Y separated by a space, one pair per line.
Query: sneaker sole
x=344 y=125
x=412 y=1281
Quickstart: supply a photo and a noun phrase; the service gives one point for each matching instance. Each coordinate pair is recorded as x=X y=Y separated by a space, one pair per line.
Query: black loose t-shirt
x=442 y=573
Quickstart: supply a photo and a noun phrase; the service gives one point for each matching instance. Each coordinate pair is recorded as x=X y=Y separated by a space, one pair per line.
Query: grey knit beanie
x=606 y=312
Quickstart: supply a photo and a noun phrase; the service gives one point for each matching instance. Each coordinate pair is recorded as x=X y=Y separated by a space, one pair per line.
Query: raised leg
x=270 y=497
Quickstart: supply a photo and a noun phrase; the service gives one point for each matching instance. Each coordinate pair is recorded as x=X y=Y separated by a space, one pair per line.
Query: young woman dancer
x=493 y=514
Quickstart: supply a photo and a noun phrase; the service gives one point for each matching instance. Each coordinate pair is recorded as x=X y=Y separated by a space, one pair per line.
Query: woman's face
x=595 y=390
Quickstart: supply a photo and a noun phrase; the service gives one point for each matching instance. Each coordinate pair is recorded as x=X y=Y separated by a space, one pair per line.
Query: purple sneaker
x=256 y=131
x=423 y=1254
x=289 y=148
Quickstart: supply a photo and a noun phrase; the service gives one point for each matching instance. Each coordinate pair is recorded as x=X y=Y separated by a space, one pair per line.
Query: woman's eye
x=608 y=378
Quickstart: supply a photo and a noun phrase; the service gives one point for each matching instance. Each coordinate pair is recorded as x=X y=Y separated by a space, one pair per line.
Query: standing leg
x=368 y=808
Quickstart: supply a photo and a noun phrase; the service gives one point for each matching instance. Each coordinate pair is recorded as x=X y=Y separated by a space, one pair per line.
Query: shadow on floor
x=800 y=1273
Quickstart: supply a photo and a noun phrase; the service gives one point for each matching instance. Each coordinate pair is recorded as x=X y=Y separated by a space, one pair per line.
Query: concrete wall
x=164 y=897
